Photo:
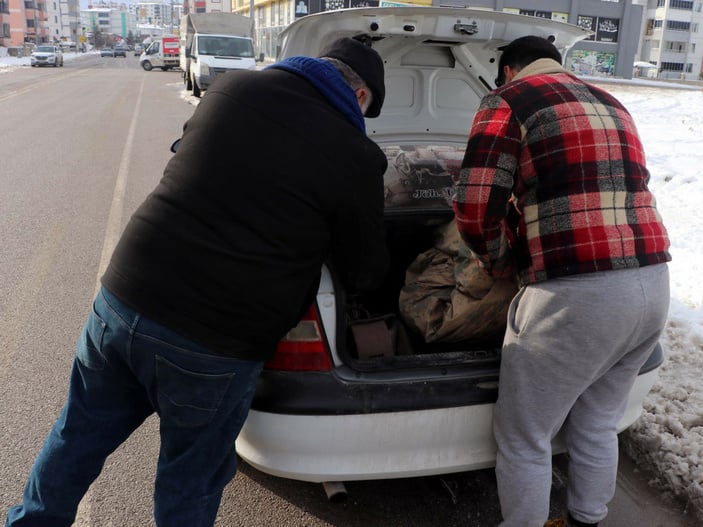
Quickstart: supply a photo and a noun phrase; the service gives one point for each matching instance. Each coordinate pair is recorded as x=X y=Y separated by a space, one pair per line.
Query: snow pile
x=668 y=438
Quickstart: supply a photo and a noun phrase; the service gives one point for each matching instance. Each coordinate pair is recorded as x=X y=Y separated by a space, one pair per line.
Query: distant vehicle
x=46 y=56
x=120 y=51
x=138 y=50
x=212 y=44
x=107 y=52
x=161 y=53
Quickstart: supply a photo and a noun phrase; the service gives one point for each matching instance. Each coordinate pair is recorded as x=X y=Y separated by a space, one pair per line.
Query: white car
x=45 y=55
x=324 y=413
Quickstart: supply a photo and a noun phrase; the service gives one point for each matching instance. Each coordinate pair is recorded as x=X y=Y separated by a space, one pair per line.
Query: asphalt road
x=81 y=147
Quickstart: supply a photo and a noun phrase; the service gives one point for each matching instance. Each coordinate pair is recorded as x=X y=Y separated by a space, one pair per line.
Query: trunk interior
x=385 y=340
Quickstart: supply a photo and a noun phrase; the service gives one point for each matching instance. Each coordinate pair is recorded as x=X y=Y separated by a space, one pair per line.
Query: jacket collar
x=541 y=67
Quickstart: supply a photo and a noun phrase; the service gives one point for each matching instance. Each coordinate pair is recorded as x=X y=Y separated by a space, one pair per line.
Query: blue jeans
x=127 y=367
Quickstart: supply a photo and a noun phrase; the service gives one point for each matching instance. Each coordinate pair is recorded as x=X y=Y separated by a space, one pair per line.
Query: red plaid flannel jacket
x=554 y=181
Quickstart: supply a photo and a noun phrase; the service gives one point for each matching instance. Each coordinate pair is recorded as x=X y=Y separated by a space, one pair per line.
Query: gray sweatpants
x=571 y=354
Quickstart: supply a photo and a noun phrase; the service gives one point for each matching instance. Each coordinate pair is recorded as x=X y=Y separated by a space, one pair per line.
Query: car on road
x=334 y=405
x=107 y=52
x=138 y=50
x=120 y=51
x=46 y=55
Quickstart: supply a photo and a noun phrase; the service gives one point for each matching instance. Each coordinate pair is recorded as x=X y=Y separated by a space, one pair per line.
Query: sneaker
x=568 y=522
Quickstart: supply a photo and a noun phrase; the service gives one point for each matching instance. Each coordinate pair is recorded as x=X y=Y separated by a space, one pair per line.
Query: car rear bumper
x=322 y=448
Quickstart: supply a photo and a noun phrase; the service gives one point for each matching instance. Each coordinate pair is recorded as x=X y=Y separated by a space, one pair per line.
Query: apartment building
x=160 y=14
x=5 y=24
x=38 y=21
x=672 y=39
x=115 y=20
x=63 y=20
x=27 y=20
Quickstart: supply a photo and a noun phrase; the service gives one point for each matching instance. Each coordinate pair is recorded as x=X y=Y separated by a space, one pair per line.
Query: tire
x=165 y=68
x=147 y=65
x=196 y=89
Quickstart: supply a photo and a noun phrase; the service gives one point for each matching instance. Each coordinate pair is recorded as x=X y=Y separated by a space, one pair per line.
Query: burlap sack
x=448 y=298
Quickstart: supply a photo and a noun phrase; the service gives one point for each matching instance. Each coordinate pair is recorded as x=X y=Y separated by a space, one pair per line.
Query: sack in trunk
x=448 y=298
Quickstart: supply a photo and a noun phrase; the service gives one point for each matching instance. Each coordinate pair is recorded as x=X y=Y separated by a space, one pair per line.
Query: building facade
x=165 y=15
x=116 y=21
x=672 y=39
x=5 y=40
x=611 y=51
x=28 y=22
x=63 y=20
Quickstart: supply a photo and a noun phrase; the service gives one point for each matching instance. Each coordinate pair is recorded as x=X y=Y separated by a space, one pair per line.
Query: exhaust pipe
x=335 y=490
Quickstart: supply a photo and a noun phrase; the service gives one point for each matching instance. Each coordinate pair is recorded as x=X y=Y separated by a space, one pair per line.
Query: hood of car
x=439 y=62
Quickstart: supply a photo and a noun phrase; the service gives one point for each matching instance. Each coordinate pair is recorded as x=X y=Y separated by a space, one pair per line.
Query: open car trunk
x=400 y=323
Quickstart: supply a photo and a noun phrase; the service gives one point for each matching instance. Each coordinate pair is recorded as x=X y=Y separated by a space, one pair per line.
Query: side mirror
x=261 y=57
x=187 y=52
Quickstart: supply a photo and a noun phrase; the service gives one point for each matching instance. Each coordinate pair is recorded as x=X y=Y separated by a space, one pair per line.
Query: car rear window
x=420 y=177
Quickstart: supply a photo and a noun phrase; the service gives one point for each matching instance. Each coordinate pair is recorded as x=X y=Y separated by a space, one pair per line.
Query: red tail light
x=303 y=348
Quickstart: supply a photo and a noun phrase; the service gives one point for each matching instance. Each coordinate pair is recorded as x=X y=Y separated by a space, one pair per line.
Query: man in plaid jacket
x=553 y=189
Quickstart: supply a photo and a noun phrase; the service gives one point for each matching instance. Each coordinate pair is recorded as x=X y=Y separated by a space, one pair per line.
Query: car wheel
x=165 y=68
x=196 y=89
x=147 y=65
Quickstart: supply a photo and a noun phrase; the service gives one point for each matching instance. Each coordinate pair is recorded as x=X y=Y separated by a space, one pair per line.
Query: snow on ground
x=9 y=64
x=669 y=435
x=668 y=438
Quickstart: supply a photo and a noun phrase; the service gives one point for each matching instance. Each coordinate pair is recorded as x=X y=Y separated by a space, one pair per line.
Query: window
x=671 y=66
x=682 y=4
x=676 y=47
x=678 y=25
x=657 y=24
x=5 y=30
x=694 y=27
x=661 y=3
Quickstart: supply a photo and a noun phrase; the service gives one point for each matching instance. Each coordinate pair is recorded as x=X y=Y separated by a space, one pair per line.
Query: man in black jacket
x=274 y=175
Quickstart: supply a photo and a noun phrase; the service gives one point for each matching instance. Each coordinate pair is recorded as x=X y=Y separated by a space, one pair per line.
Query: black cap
x=366 y=62
x=523 y=51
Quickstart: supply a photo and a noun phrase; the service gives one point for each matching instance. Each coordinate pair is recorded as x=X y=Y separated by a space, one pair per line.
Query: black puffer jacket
x=269 y=181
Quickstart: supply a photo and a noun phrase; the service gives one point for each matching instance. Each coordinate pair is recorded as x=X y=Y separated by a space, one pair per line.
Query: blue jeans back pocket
x=90 y=341
x=186 y=398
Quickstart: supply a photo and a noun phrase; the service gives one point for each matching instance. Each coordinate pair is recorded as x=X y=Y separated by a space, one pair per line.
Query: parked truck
x=212 y=44
x=162 y=53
